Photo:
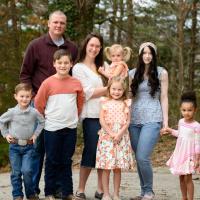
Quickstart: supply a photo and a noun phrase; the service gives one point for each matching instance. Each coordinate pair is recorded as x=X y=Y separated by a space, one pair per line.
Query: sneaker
x=148 y=196
x=136 y=198
x=49 y=197
x=98 y=195
x=80 y=196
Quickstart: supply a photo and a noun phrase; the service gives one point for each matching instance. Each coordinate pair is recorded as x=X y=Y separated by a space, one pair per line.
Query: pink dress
x=111 y=155
x=187 y=147
x=109 y=69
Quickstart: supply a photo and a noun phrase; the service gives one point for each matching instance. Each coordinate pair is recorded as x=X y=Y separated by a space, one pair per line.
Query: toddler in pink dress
x=185 y=159
x=114 y=148
x=118 y=56
x=187 y=148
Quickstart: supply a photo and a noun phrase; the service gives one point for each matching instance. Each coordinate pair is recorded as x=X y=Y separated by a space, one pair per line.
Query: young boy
x=60 y=99
x=18 y=127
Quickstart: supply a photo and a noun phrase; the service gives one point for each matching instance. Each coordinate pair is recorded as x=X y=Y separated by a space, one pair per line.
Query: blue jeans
x=59 y=148
x=21 y=164
x=38 y=158
x=143 y=139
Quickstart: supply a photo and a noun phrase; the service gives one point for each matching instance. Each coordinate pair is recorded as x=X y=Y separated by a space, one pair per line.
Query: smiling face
x=93 y=48
x=188 y=111
x=23 y=98
x=147 y=55
x=116 y=90
x=116 y=55
x=57 y=24
x=62 y=65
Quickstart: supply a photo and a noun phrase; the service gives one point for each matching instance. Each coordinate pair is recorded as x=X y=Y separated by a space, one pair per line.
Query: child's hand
x=112 y=134
x=165 y=131
x=117 y=137
x=9 y=138
x=101 y=70
x=34 y=137
x=169 y=130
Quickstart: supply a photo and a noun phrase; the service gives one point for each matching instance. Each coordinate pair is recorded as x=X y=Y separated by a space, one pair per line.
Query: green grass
x=4 y=160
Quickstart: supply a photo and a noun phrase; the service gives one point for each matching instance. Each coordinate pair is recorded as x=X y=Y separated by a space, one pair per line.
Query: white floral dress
x=112 y=155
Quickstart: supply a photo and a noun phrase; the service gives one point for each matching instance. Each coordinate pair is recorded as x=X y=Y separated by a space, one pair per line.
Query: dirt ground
x=166 y=186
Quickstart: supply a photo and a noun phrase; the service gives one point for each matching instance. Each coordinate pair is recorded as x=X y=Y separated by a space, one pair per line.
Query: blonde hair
x=57 y=12
x=126 y=51
x=124 y=86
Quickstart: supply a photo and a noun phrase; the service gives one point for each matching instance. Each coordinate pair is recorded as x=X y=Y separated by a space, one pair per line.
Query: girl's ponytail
x=127 y=51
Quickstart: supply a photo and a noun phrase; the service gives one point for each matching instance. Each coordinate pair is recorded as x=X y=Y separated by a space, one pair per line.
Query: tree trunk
x=113 y=22
x=15 y=36
x=85 y=20
x=183 y=10
x=120 y=22
x=130 y=26
x=193 y=45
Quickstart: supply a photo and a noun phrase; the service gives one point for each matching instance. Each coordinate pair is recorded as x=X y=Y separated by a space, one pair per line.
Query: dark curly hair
x=152 y=73
x=189 y=97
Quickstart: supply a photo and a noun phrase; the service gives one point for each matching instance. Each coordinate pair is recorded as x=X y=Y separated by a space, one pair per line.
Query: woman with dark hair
x=86 y=70
x=149 y=113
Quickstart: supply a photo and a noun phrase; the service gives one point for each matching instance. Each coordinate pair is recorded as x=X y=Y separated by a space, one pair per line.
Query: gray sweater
x=21 y=124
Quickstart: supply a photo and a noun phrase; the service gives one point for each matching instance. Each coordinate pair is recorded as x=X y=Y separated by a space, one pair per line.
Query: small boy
x=18 y=127
x=60 y=99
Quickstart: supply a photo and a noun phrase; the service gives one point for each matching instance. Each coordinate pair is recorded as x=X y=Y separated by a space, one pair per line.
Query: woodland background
x=173 y=25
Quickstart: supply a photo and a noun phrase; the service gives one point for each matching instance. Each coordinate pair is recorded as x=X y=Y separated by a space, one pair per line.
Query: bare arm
x=98 y=92
x=102 y=71
x=164 y=97
x=118 y=70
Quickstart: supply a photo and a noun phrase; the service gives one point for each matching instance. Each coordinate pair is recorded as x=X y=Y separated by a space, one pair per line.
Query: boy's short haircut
x=23 y=86
x=61 y=52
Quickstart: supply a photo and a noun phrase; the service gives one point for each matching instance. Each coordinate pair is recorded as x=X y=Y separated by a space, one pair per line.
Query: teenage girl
x=185 y=158
x=114 y=149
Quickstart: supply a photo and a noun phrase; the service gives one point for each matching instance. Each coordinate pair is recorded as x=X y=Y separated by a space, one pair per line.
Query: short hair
x=23 y=86
x=57 y=12
x=60 y=53
x=189 y=97
x=126 y=51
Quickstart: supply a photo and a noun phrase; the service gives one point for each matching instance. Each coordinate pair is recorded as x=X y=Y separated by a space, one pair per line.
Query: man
x=38 y=65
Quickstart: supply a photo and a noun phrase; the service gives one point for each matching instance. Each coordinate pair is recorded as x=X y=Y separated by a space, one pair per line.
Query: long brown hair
x=99 y=57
